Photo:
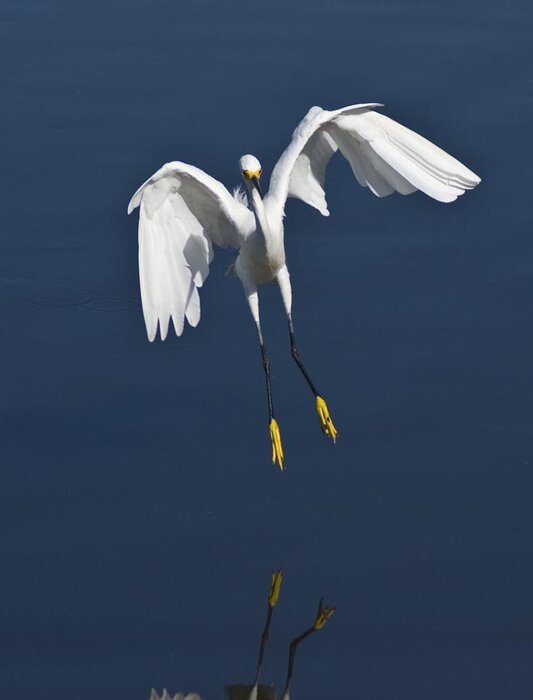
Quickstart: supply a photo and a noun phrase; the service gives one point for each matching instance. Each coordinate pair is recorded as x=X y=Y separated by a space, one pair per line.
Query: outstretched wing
x=182 y=212
x=385 y=156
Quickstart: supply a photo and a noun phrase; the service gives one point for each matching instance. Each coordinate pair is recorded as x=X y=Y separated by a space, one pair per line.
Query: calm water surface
x=140 y=514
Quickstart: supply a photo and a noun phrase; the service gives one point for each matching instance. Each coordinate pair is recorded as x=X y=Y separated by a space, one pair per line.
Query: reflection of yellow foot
x=277 y=449
x=323 y=614
x=325 y=419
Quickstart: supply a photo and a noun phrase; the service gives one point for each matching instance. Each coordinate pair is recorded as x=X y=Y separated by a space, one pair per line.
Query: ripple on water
x=111 y=304
x=58 y=296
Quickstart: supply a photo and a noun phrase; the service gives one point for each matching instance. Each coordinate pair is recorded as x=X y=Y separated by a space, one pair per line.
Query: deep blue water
x=140 y=514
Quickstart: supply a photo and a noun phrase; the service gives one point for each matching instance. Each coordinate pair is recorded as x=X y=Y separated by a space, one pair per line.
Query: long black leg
x=326 y=424
x=284 y=283
x=273 y=427
x=296 y=357
x=266 y=368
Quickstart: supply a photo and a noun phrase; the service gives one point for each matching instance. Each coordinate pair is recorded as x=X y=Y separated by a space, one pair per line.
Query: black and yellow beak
x=253 y=176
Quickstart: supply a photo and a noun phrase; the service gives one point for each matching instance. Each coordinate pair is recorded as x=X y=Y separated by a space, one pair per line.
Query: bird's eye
x=260 y=171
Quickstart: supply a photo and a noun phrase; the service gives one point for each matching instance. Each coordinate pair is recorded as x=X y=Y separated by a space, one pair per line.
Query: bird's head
x=251 y=171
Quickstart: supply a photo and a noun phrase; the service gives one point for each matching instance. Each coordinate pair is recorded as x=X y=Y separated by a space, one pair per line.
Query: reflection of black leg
x=296 y=357
x=264 y=640
x=292 y=653
x=322 y=616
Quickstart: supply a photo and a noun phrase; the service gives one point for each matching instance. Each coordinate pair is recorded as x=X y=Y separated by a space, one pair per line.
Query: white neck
x=258 y=209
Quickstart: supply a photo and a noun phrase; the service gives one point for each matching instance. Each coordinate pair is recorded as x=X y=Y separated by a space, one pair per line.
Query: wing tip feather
x=136 y=199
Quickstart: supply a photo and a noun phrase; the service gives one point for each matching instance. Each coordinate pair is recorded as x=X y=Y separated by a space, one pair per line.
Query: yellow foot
x=325 y=419
x=277 y=449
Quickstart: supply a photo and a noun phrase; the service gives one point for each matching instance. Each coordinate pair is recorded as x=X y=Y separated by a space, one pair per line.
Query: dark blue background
x=140 y=515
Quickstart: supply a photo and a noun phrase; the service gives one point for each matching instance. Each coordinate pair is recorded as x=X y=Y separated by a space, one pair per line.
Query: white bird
x=183 y=211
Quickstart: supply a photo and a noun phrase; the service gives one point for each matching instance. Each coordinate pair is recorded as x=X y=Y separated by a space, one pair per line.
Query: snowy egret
x=183 y=211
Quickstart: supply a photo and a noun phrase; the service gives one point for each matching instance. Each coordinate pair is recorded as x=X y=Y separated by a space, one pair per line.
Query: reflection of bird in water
x=183 y=211
x=257 y=691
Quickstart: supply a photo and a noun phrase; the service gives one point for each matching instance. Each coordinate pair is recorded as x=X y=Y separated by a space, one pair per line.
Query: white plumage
x=183 y=211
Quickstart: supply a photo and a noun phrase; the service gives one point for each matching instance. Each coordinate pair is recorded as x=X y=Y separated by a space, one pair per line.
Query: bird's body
x=262 y=252
x=184 y=211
